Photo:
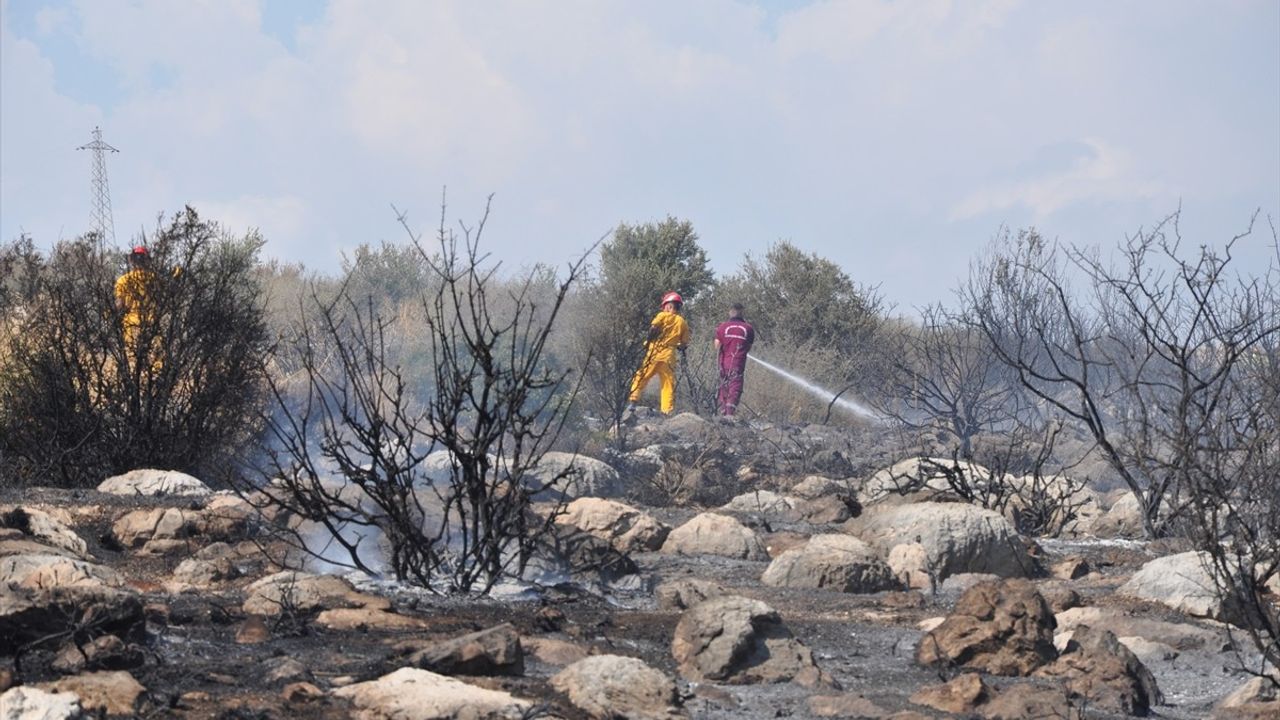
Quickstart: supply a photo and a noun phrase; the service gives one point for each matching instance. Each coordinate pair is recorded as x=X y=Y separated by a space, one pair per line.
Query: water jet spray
x=852 y=406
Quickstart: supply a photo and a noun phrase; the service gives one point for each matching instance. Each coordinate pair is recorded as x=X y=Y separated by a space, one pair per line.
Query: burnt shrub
x=80 y=401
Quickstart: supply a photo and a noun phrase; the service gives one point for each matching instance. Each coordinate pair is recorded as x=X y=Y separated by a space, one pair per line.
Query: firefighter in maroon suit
x=733 y=341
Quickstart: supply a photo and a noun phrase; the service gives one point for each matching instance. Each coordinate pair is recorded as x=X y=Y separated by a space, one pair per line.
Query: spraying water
x=854 y=407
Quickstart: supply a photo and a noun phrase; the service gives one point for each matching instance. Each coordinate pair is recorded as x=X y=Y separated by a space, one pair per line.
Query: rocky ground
x=776 y=573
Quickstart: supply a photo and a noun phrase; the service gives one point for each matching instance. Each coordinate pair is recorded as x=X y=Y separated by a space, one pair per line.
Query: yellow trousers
x=132 y=337
x=666 y=375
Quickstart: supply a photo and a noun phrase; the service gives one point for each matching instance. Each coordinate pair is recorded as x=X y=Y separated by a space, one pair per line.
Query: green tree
x=655 y=258
x=637 y=265
x=811 y=318
x=797 y=298
x=388 y=273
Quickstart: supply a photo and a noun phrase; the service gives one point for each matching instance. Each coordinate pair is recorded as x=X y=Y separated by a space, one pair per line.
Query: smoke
x=852 y=406
x=327 y=556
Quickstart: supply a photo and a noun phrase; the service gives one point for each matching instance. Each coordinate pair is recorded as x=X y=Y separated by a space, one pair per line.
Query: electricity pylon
x=103 y=224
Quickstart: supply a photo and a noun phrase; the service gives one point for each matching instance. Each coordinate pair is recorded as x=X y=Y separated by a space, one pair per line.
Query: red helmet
x=139 y=250
x=672 y=297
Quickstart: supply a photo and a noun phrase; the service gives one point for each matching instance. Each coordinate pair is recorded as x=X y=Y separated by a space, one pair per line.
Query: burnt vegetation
x=435 y=480
x=403 y=410
x=78 y=403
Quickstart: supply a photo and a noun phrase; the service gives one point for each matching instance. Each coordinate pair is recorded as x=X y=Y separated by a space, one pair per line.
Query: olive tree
x=638 y=263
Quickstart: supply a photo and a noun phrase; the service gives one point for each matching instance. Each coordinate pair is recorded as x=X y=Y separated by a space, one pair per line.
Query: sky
x=894 y=138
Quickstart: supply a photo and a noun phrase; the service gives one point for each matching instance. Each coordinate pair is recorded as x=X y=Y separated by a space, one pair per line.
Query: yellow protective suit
x=669 y=331
x=133 y=291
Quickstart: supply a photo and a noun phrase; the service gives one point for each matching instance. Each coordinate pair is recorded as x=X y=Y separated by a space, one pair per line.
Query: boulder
x=365 y=619
x=106 y=652
x=714 y=534
x=551 y=651
x=736 y=640
x=764 y=503
x=1180 y=636
x=45 y=527
x=43 y=596
x=253 y=631
x=1182 y=582
x=114 y=693
x=1097 y=667
x=1148 y=651
x=626 y=528
x=200 y=573
x=160 y=531
x=819 y=486
x=1122 y=520
x=963 y=581
x=909 y=562
x=31 y=703
x=1000 y=627
x=30 y=614
x=829 y=461
x=1028 y=700
x=957 y=538
x=961 y=695
x=299 y=592
x=217 y=563
x=154 y=483
x=13 y=542
x=611 y=686
x=1053 y=503
x=297 y=693
x=494 y=651
x=47 y=571
x=835 y=562
x=925 y=475
x=169 y=528
x=1257 y=698
x=776 y=543
x=684 y=594
x=1060 y=596
x=685 y=425
x=1072 y=568
x=583 y=553
x=437 y=467
x=575 y=476
x=227 y=517
x=826 y=510
x=284 y=669
x=415 y=694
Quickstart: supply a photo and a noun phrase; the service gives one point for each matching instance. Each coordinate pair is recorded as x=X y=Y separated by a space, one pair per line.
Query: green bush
x=610 y=315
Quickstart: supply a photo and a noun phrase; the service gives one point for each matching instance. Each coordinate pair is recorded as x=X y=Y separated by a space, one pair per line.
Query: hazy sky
x=892 y=137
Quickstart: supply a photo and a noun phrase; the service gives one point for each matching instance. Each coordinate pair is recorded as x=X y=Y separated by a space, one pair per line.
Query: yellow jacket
x=672 y=332
x=133 y=290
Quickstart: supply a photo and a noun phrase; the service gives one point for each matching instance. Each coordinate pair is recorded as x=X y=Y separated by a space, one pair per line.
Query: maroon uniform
x=735 y=337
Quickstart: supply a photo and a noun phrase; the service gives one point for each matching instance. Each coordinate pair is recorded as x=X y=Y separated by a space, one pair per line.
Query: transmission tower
x=103 y=224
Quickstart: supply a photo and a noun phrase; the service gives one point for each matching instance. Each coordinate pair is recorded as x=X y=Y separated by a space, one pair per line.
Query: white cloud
x=283 y=216
x=1104 y=174
x=51 y=19
x=39 y=131
x=852 y=127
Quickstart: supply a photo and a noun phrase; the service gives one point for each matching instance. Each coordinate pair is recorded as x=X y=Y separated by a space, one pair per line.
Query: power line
x=101 y=221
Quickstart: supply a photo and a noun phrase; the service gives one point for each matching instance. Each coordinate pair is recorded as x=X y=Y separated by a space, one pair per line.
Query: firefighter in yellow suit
x=667 y=333
x=133 y=292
